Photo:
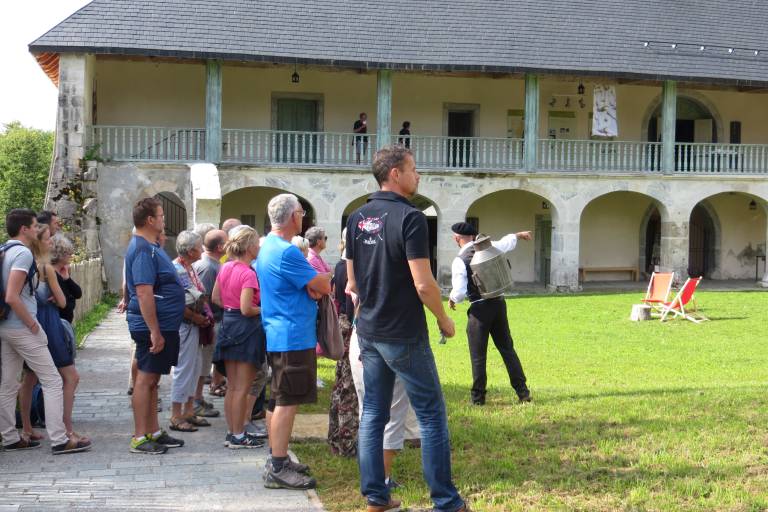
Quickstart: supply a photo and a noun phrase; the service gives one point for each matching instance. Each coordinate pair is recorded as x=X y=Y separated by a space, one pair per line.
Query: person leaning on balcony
x=404 y=138
x=388 y=267
x=289 y=289
x=154 y=314
x=361 y=141
x=485 y=316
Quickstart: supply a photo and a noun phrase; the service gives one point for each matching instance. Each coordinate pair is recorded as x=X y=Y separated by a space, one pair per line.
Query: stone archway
x=691 y=105
x=508 y=211
x=249 y=204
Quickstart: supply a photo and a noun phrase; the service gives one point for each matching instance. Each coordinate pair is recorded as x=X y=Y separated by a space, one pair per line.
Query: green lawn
x=626 y=416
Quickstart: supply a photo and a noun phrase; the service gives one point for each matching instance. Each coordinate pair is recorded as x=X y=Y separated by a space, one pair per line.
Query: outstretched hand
x=525 y=235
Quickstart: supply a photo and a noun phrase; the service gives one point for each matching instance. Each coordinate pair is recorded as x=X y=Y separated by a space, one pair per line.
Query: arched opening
x=510 y=211
x=620 y=237
x=694 y=122
x=175 y=219
x=425 y=205
x=727 y=237
x=250 y=206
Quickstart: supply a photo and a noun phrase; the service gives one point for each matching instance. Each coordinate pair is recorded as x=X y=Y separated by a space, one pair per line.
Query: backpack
x=5 y=309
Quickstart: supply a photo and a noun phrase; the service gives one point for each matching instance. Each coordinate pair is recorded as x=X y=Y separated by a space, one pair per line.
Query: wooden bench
x=633 y=272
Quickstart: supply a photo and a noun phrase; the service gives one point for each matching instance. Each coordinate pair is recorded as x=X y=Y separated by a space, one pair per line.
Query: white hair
x=301 y=242
x=204 y=228
x=281 y=207
x=314 y=235
x=186 y=241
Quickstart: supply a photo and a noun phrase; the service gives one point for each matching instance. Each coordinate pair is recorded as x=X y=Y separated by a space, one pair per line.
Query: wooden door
x=296 y=117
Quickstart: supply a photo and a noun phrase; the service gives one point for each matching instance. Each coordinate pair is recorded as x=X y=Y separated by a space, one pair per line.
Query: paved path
x=203 y=475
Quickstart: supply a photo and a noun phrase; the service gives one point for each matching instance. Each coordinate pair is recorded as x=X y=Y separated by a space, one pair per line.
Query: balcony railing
x=601 y=156
x=721 y=158
x=340 y=150
x=149 y=143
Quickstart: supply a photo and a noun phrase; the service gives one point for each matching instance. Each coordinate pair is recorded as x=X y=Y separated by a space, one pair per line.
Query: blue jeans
x=415 y=365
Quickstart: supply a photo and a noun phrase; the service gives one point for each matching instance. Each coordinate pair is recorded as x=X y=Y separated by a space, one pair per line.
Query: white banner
x=604 y=112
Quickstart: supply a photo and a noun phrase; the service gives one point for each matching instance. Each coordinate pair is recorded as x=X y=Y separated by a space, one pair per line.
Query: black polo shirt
x=382 y=236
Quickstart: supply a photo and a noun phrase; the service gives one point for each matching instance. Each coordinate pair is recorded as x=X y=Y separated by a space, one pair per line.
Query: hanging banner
x=604 y=112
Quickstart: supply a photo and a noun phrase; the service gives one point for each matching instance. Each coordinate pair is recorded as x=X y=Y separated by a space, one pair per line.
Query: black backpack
x=5 y=309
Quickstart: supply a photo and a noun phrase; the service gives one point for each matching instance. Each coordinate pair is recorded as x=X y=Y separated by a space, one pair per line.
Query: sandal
x=182 y=425
x=33 y=436
x=77 y=437
x=220 y=390
x=197 y=421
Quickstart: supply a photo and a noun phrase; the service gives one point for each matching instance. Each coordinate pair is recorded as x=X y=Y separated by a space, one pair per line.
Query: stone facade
x=330 y=192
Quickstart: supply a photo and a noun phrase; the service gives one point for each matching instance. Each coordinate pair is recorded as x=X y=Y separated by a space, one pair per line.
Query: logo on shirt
x=371 y=229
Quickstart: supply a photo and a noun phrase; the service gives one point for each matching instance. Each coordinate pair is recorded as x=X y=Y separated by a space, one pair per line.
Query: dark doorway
x=653 y=242
x=684 y=130
x=296 y=117
x=460 y=130
x=175 y=219
x=543 y=257
x=701 y=244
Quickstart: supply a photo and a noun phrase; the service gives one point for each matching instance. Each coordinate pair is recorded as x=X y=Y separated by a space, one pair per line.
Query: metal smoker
x=491 y=270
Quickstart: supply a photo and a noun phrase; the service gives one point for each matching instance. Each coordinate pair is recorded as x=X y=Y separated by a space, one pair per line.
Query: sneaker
x=288 y=478
x=256 y=431
x=147 y=446
x=295 y=466
x=130 y=391
x=227 y=439
x=22 y=444
x=205 y=409
x=245 y=442
x=169 y=442
x=391 y=484
x=525 y=397
x=71 y=446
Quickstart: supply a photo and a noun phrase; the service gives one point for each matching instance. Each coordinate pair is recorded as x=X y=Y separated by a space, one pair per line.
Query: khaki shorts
x=294 y=378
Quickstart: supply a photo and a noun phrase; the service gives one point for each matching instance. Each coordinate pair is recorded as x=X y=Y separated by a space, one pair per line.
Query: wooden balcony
x=348 y=150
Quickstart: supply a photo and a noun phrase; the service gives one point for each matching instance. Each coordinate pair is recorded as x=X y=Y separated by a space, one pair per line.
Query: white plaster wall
x=150 y=93
x=741 y=230
x=510 y=211
x=610 y=233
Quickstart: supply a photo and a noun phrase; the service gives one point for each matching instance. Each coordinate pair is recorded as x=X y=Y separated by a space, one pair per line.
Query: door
x=460 y=130
x=543 y=235
x=297 y=117
x=701 y=240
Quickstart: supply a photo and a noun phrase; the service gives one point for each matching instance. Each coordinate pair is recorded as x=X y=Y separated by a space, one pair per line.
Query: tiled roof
x=587 y=37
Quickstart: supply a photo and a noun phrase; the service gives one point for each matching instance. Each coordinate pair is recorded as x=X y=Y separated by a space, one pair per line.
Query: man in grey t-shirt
x=207 y=268
x=23 y=340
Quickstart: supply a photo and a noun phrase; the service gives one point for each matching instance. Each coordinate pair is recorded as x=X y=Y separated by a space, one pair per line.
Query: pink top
x=232 y=278
x=318 y=263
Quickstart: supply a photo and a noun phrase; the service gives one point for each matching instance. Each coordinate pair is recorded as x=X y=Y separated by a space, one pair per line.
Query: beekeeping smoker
x=481 y=274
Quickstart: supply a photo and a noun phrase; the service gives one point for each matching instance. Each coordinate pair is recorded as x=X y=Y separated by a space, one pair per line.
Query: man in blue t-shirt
x=289 y=289
x=155 y=311
x=388 y=267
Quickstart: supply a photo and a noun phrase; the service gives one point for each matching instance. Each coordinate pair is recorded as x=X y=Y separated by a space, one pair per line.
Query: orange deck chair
x=658 y=290
x=678 y=305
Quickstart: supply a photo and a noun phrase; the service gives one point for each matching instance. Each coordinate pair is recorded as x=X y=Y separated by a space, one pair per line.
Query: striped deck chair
x=683 y=298
x=658 y=290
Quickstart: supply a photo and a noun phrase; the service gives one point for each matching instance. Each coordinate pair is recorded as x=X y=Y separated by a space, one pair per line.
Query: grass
x=88 y=323
x=626 y=416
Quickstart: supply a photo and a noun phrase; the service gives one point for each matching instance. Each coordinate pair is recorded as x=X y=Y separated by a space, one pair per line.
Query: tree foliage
x=25 y=159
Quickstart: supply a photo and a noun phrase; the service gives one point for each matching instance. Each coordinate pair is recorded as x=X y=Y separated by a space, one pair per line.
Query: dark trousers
x=484 y=318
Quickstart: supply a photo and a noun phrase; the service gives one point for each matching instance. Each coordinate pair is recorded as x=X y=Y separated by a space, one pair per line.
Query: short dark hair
x=406 y=124
x=45 y=216
x=143 y=209
x=18 y=218
x=363 y=114
x=386 y=158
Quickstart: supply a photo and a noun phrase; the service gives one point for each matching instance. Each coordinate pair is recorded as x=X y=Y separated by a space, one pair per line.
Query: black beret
x=464 y=228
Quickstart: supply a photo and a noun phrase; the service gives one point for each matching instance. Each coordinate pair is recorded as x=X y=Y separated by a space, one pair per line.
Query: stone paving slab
x=203 y=475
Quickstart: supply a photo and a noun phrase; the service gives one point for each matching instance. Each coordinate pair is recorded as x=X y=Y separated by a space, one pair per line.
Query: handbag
x=329 y=340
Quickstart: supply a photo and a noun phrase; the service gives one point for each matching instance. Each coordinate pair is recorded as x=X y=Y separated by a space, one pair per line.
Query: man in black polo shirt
x=388 y=267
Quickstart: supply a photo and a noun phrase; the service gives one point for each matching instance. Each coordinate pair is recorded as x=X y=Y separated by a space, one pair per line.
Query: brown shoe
x=392 y=506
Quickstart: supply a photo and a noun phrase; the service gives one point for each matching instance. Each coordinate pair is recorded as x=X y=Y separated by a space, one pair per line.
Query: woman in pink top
x=241 y=345
x=317 y=240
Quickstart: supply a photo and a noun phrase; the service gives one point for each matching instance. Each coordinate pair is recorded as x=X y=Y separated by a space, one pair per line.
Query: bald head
x=229 y=224
x=214 y=242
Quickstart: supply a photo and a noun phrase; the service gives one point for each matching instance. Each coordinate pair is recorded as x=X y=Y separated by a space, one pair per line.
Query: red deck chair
x=681 y=300
x=658 y=290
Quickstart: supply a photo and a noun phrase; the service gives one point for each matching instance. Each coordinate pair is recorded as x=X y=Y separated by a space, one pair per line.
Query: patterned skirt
x=343 y=417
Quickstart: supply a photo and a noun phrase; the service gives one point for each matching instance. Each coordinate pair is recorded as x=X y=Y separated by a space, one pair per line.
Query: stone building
x=217 y=106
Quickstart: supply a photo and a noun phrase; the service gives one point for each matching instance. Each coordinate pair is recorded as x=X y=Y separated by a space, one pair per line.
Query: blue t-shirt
x=288 y=312
x=146 y=263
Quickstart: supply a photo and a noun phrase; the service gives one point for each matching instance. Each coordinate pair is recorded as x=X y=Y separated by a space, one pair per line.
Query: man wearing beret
x=485 y=316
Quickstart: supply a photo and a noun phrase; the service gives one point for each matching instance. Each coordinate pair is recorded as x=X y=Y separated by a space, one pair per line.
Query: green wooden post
x=213 y=111
x=669 y=120
x=384 y=108
x=531 y=122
